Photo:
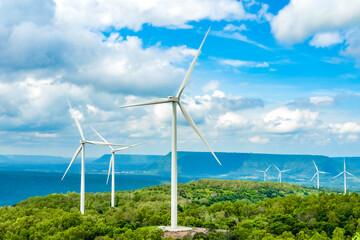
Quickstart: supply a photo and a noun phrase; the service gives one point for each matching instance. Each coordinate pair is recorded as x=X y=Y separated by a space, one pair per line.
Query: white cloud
x=313 y=101
x=45 y=135
x=325 y=100
x=30 y=103
x=345 y=128
x=231 y=120
x=258 y=139
x=352 y=37
x=238 y=36
x=283 y=120
x=133 y=14
x=263 y=13
x=301 y=19
x=326 y=39
x=241 y=63
x=233 y=28
x=210 y=86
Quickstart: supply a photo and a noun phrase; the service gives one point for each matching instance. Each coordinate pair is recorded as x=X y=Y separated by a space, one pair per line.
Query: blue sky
x=272 y=77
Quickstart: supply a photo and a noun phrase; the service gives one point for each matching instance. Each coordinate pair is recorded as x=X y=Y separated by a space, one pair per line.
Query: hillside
x=246 y=209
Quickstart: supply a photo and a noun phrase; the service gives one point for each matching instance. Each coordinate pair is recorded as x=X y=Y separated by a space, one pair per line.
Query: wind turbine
x=265 y=175
x=112 y=165
x=318 y=174
x=344 y=172
x=176 y=100
x=281 y=171
x=82 y=148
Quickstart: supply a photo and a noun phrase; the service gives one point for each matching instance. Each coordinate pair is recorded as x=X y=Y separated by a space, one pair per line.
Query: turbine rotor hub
x=82 y=141
x=173 y=99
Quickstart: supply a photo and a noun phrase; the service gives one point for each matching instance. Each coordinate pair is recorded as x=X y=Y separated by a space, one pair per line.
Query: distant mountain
x=195 y=165
x=35 y=159
x=245 y=166
x=125 y=159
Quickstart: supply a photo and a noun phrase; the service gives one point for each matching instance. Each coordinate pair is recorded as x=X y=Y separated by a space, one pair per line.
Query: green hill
x=246 y=209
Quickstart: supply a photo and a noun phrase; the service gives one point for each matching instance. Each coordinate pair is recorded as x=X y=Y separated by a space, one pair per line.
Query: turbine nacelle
x=173 y=99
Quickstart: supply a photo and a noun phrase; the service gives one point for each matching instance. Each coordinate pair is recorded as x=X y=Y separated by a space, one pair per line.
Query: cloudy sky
x=272 y=77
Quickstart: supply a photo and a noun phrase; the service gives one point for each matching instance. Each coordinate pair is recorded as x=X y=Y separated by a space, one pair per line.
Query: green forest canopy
x=247 y=209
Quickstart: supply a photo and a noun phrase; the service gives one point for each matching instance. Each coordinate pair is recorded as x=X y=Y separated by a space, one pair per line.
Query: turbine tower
x=344 y=172
x=281 y=172
x=82 y=148
x=112 y=165
x=318 y=174
x=176 y=100
x=265 y=175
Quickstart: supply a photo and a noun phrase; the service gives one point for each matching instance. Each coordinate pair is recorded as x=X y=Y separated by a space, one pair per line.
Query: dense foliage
x=246 y=209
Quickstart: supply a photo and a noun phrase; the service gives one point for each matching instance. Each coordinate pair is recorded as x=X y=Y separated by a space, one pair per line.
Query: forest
x=245 y=209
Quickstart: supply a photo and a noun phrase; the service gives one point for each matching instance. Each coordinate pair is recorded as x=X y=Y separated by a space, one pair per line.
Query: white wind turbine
x=265 y=175
x=344 y=172
x=281 y=172
x=318 y=174
x=112 y=165
x=82 y=148
x=176 y=100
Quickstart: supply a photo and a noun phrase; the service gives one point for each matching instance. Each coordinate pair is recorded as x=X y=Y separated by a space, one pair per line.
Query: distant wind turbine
x=344 y=172
x=281 y=172
x=318 y=174
x=265 y=175
x=176 y=100
x=82 y=148
x=112 y=165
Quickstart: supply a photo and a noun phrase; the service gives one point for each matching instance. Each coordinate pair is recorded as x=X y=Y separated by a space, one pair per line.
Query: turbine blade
x=192 y=124
x=313 y=176
x=350 y=174
x=72 y=160
x=111 y=160
x=150 y=102
x=76 y=121
x=101 y=137
x=315 y=166
x=127 y=147
x=323 y=172
x=338 y=175
x=268 y=168
x=188 y=74
x=105 y=144
x=277 y=168
x=286 y=170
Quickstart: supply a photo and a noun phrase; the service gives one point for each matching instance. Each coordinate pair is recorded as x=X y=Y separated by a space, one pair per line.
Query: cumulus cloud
x=301 y=19
x=210 y=86
x=133 y=14
x=325 y=100
x=231 y=120
x=284 y=120
x=345 y=128
x=218 y=110
x=31 y=106
x=352 y=42
x=328 y=22
x=233 y=28
x=313 y=101
x=258 y=139
x=326 y=39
